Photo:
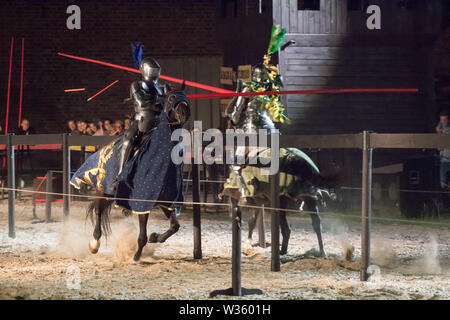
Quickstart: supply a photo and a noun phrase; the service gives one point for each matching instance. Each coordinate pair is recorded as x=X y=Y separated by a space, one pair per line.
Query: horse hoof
x=153 y=237
x=94 y=245
x=136 y=257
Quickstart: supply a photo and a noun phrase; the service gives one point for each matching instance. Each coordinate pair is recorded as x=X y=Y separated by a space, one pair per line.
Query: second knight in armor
x=248 y=113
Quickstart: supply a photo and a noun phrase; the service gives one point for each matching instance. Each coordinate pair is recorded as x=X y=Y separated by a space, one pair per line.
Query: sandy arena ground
x=42 y=260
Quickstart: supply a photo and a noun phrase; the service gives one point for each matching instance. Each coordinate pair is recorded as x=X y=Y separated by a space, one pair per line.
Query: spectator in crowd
x=443 y=121
x=89 y=131
x=81 y=127
x=118 y=126
x=24 y=151
x=71 y=126
x=126 y=123
x=75 y=132
x=444 y=128
x=99 y=131
x=100 y=128
x=25 y=128
x=108 y=127
x=92 y=128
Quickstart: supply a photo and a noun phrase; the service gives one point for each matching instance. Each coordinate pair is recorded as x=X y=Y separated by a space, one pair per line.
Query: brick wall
x=167 y=28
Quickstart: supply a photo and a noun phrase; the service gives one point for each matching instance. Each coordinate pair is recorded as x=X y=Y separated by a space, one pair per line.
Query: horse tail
x=100 y=209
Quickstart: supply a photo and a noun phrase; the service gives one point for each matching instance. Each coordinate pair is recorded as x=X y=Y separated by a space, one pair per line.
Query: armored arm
x=237 y=104
x=138 y=95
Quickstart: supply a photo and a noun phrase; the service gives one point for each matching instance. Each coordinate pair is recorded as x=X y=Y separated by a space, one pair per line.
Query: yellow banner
x=245 y=73
x=226 y=75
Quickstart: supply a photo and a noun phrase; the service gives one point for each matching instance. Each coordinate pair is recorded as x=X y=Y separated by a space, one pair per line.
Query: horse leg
x=142 y=239
x=252 y=223
x=174 y=227
x=97 y=208
x=285 y=231
x=311 y=205
x=284 y=226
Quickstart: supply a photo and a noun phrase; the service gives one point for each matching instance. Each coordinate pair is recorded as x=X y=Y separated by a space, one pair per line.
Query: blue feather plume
x=137 y=49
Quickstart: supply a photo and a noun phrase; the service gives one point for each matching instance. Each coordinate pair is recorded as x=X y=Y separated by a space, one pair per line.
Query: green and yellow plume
x=276 y=39
x=272 y=103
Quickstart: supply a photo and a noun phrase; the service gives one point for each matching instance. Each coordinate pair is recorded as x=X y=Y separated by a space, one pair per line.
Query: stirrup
x=114 y=184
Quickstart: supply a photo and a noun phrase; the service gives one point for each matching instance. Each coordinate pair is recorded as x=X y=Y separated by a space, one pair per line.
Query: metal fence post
x=261 y=228
x=236 y=251
x=275 y=219
x=196 y=211
x=11 y=186
x=66 y=174
x=48 y=196
x=366 y=205
x=34 y=209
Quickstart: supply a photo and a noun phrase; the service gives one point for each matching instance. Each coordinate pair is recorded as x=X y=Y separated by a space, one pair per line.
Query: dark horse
x=176 y=107
x=99 y=213
x=305 y=191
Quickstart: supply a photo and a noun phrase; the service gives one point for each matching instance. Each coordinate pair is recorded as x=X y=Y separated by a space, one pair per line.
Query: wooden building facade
x=335 y=49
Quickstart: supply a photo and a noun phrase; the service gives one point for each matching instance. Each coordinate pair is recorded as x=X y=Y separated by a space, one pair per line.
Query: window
x=407 y=4
x=229 y=8
x=446 y=14
x=355 y=5
x=308 y=5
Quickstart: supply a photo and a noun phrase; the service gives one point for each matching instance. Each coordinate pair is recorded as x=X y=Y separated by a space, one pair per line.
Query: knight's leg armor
x=128 y=140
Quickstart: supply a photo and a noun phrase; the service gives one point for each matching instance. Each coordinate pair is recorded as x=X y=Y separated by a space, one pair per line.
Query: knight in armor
x=138 y=165
x=148 y=99
x=257 y=112
x=250 y=113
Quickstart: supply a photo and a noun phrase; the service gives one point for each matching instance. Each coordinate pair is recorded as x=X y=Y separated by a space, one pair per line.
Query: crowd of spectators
x=104 y=127
x=24 y=128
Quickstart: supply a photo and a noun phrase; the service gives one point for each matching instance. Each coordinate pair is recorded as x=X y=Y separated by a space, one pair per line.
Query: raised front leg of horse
x=174 y=227
x=311 y=205
x=142 y=239
x=94 y=244
x=99 y=210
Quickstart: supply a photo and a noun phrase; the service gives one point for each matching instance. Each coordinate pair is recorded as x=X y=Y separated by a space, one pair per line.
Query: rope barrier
x=210 y=181
x=329 y=214
x=342 y=188
x=111 y=198
x=401 y=190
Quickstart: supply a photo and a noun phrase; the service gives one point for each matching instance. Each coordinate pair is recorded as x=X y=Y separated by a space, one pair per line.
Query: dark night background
x=193 y=38
x=185 y=36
